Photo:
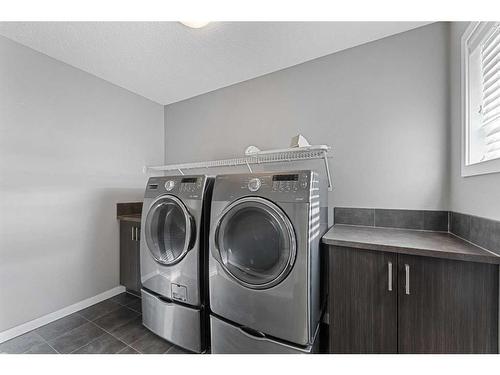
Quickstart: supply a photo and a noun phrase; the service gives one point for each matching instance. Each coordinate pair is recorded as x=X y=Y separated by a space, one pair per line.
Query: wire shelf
x=261 y=157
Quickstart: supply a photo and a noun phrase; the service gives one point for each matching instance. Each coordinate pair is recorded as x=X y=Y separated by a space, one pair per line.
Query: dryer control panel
x=190 y=187
x=190 y=184
x=290 y=182
x=279 y=186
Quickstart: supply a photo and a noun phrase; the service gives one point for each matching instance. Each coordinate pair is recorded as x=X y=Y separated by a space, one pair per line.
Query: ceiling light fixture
x=195 y=24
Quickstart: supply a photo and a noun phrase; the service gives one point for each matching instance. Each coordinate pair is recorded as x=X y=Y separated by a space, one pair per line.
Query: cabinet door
x=127 y=252
x=362 y=303
x=126 y=244
x=447 y=306
x=135 y=268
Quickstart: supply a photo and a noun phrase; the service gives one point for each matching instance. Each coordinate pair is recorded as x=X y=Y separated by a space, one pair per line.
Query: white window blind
x=490 y=108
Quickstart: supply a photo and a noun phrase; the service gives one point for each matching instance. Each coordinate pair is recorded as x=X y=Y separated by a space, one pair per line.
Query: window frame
x=482 y=167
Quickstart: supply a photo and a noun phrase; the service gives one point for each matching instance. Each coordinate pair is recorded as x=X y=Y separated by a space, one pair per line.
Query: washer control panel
x=283 y=183
x=190 y=184
x=169 y=185
x=278 y=183
x=290 y=182
x=191 y=187
x=254 y=184
x=279 y=186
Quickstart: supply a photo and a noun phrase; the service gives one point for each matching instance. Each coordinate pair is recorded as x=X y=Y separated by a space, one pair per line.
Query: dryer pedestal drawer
x=229 y=339
x=178 y=324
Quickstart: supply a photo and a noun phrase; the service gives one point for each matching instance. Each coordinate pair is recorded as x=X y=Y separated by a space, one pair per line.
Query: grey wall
x=381 y=106
x=71 y=146
x=475 y=195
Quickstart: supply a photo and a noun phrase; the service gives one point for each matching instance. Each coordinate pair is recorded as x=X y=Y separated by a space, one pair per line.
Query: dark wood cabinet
x=435 y=305
x=130 y=271
x=363 y=294
x=447 y=306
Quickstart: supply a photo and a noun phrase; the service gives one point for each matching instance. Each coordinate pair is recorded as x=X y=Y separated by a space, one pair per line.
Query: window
x=481 y=98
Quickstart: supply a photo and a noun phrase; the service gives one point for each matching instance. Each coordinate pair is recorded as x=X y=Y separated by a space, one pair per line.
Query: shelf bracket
x=327 y=168
x=248 y=165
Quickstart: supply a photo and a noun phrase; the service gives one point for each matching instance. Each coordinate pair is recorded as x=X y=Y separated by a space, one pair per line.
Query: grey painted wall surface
x=381 y=106
x=71 y=146
x=476 y=195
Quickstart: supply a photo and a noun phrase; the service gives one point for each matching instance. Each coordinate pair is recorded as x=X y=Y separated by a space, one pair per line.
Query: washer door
x=255 y=242
x=169 y=230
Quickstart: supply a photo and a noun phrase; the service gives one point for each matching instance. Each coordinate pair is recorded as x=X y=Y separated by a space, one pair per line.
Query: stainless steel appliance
x=264 y=268
x=174 y=259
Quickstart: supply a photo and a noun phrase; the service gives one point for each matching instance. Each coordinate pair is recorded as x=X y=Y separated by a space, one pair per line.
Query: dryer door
x=169 y=230
x=255 y=242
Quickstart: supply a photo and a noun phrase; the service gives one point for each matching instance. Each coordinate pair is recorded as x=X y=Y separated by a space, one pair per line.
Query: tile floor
x=108 y=327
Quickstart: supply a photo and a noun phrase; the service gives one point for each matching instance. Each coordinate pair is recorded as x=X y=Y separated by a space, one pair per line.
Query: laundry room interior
x=238 y=187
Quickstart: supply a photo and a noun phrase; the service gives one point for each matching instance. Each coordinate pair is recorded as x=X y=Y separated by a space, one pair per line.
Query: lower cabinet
x=130 y=270
x=363 y=301
x=393 y=303
x=447 y=306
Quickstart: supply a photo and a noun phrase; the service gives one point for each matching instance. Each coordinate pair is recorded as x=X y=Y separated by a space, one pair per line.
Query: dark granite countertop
x=130 y=211
x=136 y=218
x=412 y=242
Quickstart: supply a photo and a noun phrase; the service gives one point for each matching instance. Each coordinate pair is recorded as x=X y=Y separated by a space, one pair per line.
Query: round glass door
x=168 y=230
x=256 y=242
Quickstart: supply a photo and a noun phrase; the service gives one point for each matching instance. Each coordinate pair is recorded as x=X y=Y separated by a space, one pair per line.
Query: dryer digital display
x=286 y=177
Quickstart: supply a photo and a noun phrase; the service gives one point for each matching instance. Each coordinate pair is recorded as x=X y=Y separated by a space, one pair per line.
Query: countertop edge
x=413 y=251
x=133 y=218
x=480 y=258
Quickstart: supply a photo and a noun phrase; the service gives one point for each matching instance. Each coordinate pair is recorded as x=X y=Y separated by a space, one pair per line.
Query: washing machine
x=264 y=266
x=173 y=249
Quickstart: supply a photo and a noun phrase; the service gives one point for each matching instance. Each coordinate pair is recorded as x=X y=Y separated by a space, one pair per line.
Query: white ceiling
x=167 y=62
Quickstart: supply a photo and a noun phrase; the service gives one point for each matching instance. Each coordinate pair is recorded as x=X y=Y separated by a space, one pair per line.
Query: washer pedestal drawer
x=176 y=323
x=230 y=339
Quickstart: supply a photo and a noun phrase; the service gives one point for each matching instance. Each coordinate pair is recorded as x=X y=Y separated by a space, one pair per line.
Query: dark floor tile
x=116 y=318
x=136 y=306
x=131 y=331
x=42 y=348
x=128 y=350
x=61 y=326
x=436 y=220
x=76 y=338
x=177 y=350
x=151 y=344
x=354 y=216
x=125 y=298
x=21 y=343
x=485 y=233
x=404 y=219
x=105 y=344
x=102 y=308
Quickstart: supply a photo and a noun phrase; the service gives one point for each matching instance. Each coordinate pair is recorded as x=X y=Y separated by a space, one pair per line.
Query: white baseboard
x=36 y=323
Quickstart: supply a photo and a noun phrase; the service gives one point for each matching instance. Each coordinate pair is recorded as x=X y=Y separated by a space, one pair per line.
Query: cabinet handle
x=132 y=233
x=136 y=233
x=407 y=275
x=389 y=275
